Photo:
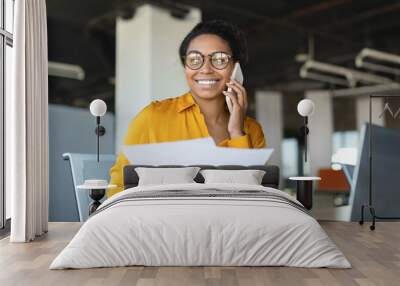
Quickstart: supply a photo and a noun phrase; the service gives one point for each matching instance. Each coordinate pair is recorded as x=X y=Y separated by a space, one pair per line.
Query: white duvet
x=192 y=231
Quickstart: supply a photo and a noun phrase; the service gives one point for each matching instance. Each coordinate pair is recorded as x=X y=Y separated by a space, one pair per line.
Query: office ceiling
x=83 y=32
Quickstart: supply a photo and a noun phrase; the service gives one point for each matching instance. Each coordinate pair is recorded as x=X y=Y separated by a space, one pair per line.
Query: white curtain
x=27 y=123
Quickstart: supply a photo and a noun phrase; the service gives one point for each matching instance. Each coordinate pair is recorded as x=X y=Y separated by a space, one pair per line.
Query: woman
x=208 y=54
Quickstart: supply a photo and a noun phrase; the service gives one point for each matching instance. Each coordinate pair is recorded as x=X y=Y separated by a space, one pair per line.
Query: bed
x=201 y=224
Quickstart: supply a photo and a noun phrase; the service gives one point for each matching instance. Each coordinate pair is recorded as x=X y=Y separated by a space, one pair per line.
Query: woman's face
x=208 y=82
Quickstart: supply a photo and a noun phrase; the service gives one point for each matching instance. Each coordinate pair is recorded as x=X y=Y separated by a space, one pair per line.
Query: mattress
x=201 y=225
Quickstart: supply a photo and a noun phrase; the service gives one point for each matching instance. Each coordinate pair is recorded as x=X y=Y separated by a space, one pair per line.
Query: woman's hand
x=239 y=108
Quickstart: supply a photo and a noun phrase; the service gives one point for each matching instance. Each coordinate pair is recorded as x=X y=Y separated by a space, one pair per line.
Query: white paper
x=201 y=151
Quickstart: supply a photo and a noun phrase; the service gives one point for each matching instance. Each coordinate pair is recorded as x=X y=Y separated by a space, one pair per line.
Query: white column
x=362 y=111
x=147 y=61
x=269 y=115
x=320 y=125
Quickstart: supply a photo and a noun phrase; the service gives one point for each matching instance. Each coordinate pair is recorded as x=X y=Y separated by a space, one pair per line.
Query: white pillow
x=248 y=177
x=162 y=176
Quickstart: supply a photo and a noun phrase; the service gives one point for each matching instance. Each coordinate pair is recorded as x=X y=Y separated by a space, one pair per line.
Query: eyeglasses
x=195 y=60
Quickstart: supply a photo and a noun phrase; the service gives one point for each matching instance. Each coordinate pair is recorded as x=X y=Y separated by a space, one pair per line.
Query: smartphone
x=237 y=75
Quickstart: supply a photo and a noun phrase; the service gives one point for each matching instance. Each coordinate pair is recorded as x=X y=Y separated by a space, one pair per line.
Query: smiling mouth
x=206 y=82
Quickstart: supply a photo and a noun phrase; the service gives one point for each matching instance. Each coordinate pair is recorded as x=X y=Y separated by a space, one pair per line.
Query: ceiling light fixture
x=352 y=76
x=367 y=53
x=66 y=70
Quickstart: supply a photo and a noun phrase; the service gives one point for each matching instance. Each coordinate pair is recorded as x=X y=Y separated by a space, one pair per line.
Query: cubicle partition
x=385 y=174
x=71 y=130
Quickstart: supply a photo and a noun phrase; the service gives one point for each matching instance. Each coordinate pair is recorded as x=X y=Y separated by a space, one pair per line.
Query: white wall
x=269 y=115
x=147 y=61
x=320 y=125
x=133 y=39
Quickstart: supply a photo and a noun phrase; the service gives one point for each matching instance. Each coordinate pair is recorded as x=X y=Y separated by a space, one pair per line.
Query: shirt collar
x=185 y=101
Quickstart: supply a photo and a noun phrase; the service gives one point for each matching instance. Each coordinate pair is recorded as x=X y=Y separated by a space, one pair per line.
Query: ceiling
x=83 y=33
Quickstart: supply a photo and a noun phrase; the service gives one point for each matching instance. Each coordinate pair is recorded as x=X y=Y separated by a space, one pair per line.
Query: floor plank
x=375 y=257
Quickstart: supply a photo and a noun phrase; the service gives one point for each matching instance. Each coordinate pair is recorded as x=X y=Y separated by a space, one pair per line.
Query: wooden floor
x=375 y=257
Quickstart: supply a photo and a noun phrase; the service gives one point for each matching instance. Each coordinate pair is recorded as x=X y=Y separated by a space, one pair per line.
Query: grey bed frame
x=270 y=179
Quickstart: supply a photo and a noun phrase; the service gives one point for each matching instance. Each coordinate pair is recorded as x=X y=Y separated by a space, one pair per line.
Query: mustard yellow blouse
x=175 y=119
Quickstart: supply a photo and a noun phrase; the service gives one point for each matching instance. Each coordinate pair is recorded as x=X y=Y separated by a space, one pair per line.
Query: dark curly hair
x=225 y=30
